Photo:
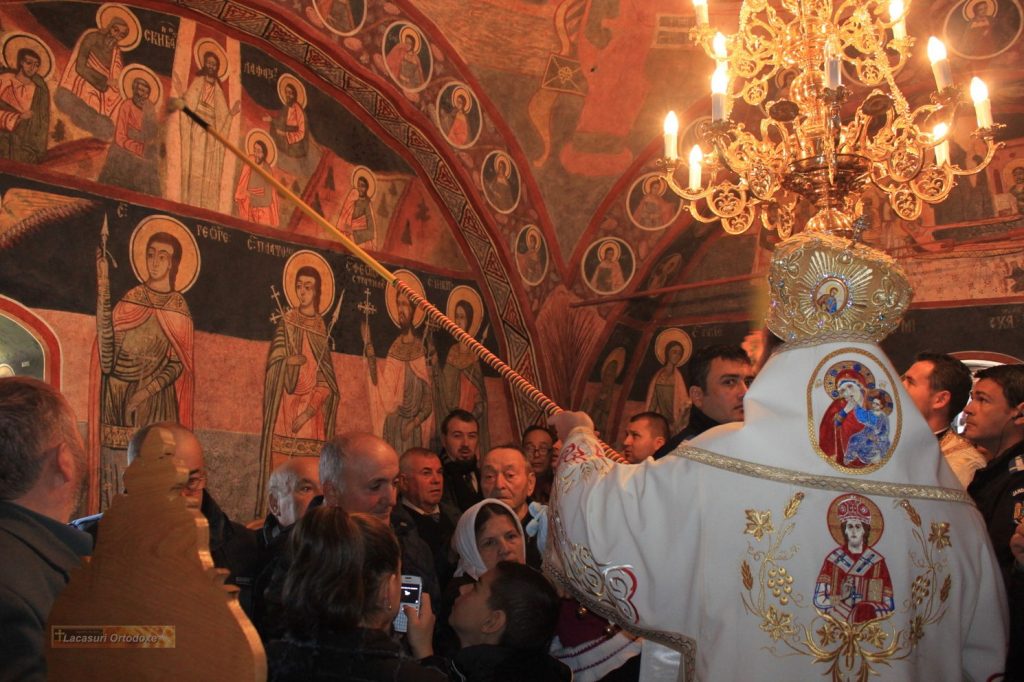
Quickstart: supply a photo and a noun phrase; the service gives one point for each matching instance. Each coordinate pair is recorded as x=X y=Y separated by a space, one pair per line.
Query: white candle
x=718 y=47
x=700 y=8
x=899 y=29
x=940 y=65
x=982 y=104
x=696 y=155
x=942 y=149
x=833 y=70
x=719 y=83
x=671 y=136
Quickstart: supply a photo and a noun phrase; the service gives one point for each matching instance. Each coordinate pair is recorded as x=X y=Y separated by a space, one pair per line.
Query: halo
x=532 y=230
x=210 y=45
x=107 y=13
x=300 y=89
x=970 y=8
x=676 y=259
x=314 y=260
x=18 y=41
x=259 y=135
x=652 y=181
x=188 y=269
x=829 y=381
x=603 y=245
x=502 y=165
x=877 y=520
x=391 y=297
x=472 y=297
x=136 y=71
x=371 y=180
x=668 y=336
x=331 y=27
x=522 y=242
x=1008 y=169
x=619 y=357
x=408 y=30
x=461 y=92
x=877 y=393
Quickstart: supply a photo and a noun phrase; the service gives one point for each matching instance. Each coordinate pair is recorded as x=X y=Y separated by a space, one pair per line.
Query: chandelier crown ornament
x=803 y=141
x=826 y=288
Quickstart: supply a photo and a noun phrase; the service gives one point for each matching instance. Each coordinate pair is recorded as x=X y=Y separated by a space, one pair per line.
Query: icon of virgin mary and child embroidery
x=859 y=422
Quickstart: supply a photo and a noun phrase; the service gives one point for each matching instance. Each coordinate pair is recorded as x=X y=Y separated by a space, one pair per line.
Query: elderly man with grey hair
x=292 y=486
x=42 y=472
x=359 y=473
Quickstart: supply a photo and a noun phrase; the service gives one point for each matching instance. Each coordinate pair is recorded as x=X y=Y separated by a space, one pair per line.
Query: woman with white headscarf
x=487 y=532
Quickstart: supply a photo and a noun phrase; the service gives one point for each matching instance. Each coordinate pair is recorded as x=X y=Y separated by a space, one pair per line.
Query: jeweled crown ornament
x=825 y=287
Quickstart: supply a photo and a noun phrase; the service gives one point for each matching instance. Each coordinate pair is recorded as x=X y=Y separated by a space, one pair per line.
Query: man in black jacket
x=718 y=377
x=460 y=433
x=995 y=424
x=42 y=472
x=422 y=486
x=232 y=545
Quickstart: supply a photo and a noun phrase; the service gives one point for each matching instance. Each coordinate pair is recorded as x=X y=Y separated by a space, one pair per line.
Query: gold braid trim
x=834 y=483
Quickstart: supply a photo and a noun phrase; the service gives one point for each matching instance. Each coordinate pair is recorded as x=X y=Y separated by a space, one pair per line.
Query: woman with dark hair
x=340 y=597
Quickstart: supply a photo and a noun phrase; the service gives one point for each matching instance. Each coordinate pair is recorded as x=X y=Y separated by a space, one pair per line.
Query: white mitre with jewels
x=824 y=537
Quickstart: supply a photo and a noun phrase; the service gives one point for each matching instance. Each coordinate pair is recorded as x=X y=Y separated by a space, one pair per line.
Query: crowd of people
x=321 y=576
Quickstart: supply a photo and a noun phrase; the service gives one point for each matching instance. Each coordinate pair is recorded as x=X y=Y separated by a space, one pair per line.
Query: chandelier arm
x=991 y=148
x=680 y=191
x=697 y=215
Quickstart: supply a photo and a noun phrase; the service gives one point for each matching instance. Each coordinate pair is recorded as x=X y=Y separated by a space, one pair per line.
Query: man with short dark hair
x=42 y=476
x=718 y=377
x=460 y=435
x=940 y=385
x=645 y=433
x=995 y=424
x=505 y=622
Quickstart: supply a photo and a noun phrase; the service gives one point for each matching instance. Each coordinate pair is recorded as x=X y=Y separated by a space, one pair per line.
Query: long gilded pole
x=517 y=380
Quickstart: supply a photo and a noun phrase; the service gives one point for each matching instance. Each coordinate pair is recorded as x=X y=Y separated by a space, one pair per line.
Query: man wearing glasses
x=232 y=545
x=537 y=444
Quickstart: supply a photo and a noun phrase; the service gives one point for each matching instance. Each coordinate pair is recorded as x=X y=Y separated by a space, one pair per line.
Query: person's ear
x=1018 y=415
x=64 y=460
x=384 y=592
x=658 y=442
x=274 y=504
x=697 y=395
x=531 y=480
x=495 y=623
x=940 y=399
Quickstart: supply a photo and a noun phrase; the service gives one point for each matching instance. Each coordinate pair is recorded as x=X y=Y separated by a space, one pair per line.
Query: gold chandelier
x=807 y=143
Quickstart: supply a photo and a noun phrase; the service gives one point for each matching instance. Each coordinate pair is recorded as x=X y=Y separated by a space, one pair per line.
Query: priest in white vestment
x=758 y=555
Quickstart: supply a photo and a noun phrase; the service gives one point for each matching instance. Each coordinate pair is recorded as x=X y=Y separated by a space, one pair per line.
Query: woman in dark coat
x=341 y=595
